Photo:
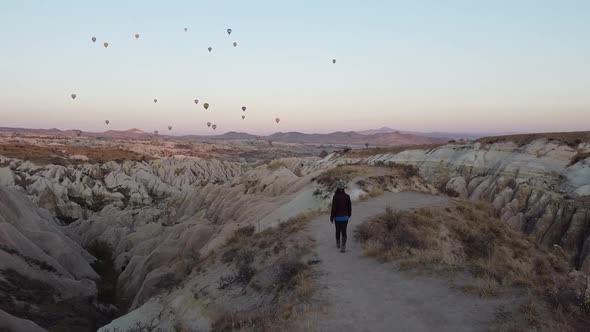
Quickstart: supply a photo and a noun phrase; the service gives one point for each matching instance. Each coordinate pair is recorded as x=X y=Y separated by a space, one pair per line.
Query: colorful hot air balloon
x=155 y=100
x=206 y=105
x=137 y=36
x=73 y=95
x=185 y=29
x=243 y=117
x=169 y=127
x=196 y=101
x=208 y=124
x=235 y=44
x=277 y=120
x=244 y=108
x=210 y=48
x=214 y=126
x=106 y=122
x=334 y=61
x=93 y=39
x=229 y=31
x=106 y=44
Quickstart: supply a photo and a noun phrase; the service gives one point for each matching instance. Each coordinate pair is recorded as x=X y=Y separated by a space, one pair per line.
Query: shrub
x=288 y=271
x=579 y=157
x=479 y=245
x=240 y=234
x=275 y=164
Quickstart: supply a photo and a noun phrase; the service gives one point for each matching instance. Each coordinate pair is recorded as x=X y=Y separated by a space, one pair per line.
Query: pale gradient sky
x=417 y=65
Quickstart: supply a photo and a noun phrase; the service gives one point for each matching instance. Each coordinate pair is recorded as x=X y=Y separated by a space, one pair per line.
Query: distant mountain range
x=380 y=137
x=384 y=130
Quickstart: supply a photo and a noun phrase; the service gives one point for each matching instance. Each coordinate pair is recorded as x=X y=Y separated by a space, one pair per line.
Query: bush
x=241 y=234
x=288 y=271
x=388 y=231
x=479 y=245
x=275 y=164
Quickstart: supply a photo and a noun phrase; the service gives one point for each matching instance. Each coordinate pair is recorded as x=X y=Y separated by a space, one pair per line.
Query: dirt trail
x=363 y=295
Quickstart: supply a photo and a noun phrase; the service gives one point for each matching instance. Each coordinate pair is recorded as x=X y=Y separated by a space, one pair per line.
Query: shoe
x=343 y=248
x=338 y=244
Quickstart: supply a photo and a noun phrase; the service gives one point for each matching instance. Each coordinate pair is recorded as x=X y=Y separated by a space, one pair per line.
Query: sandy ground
x=362 y=294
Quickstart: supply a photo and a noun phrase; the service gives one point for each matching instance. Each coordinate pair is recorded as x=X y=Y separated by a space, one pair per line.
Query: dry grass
x=568 y=138
x=60 y=154
x=343 y=171
x=579 y=157
x=467 y=236
x=281 y=249
x=275 y=164
x=361 y=153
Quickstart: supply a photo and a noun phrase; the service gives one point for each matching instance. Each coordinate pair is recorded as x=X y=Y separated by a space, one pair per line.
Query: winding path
x=363 y=295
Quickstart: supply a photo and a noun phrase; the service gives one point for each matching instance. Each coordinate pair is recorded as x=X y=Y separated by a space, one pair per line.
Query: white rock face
x=6 y=177
x=35 y=256
x=10 y=323
x=76 y=192
x=529 y=186
x=159 y=244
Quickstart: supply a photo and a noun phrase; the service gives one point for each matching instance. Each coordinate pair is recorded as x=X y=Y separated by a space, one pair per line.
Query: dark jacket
x=341 y=205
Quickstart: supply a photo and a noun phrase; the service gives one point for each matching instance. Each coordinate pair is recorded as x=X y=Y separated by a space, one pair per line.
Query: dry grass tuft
x=579 y=157
x=469 y=237
x=275 y=164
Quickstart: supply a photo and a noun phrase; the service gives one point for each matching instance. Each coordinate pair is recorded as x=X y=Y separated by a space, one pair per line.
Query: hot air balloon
x=169 y=127
x=244 y=108
x=106 y=122
x=155 y=132
x=334 y=61
x=210 y=48
x=367 y=145
x=73 y=96
x=208 y=124
x=137 y=36
x=93 y=39
x=214 y=126
x=196 y=101
x=185 y=29
x=235 y=44
x=206 y=105
x=155 y=100
x=229 y=31
x=106 y=44
x=243 y=117
x=277 y=120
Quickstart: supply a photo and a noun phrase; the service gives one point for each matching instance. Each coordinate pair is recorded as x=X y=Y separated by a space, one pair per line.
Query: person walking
x=341 y=212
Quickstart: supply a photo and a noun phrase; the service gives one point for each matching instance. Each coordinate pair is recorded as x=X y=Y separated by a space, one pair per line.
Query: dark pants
x=341 y=229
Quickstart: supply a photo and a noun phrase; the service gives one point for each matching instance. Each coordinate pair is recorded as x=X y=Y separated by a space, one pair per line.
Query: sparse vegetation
x=360 y=153
x=275 y=164
x=468 y=237
x=344 y=172
x=59 y=155
x=406 y=170
x=579 y=157
x=572 y=139
x=280 y=250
